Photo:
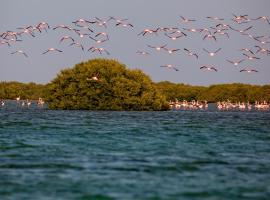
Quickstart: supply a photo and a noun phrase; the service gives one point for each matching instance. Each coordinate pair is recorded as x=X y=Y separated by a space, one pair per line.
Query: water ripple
x=48 y=154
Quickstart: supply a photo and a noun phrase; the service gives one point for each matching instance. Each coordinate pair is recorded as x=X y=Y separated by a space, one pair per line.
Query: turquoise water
x=84 y=155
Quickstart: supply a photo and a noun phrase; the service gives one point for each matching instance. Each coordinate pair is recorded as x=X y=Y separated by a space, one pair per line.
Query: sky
x=124 y=42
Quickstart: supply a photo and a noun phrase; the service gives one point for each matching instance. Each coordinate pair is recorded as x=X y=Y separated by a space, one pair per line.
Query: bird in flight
x=143 y=53
x=209 y=68
x=149 y=31
x=51 y=50
x=173 y=37
x=186 y=20
x=247 y=50
x=215 y=18
x=170 y=51
x=100 y=50
x=242 y=31
x=5 y=42
x=193 y=30
x=235 y=63
x=66 y=37
x=248 y=70
x=103 y=34
x=240 y=19
x=124 y=24
x=190 y=53
x=101 y=22
x=211 y=54
x=98 y=41
x=82 y=21
x=43 y=25
x=63 y=27
x=251 y=57
x=263 y=18
x=158 y=48
x=262 y=50
x=77 y=44
x=210 y=36
x=264 y=41
x=20 y=51
x=116 y=19
x=170 y=67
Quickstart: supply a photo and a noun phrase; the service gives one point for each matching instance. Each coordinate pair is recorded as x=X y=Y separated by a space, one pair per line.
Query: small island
x=106 y=84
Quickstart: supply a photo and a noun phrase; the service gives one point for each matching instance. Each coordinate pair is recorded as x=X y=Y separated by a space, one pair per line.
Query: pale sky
x=124 y=42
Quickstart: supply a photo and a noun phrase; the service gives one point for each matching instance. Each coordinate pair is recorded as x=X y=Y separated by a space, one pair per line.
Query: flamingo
x=142 y=53
x=262 y=50
x=63 y=27
x=66 y=37
x=211 y=54
x=94 y=78
x=185 y=20
x=170 y=66
x=5 y=42
x=123 y=24
x=20 y=51
x=209 y=68
x=247 y=50
x=101 y=22
x=52 y=49
x=100 y=50
x=190 y=53
x=98 y=41
x=235 y=63
x=194 y=30
x=77 y=44
x=170 y=51
x=248 y=70
x=210 y=36
x=215 y=18
x=173 y=37
x=118 y=20
x=242 y=31
x=251 y=57
x=264 y=18
x=148 y=31
x=102 y=33
x=158 y=48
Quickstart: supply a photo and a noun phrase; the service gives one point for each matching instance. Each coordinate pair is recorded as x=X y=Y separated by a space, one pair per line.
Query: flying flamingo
x=170 y=66
x=52 y=49
x=158 y=48
x=190 y=53
x=209 y=68
x=20 y=51
x=211 y=54
x=185 y=20
x=248 y=70
x=235 y=63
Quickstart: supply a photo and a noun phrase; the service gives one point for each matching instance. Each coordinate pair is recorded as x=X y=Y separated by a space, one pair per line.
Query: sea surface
x=98 y=155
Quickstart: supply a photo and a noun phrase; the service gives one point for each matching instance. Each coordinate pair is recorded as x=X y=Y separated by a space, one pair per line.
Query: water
x=170 y=155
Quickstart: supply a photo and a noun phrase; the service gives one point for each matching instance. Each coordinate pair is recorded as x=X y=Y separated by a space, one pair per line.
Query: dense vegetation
x=173 y=91
x=11 y=90
x=119 y=88
x=234 y=92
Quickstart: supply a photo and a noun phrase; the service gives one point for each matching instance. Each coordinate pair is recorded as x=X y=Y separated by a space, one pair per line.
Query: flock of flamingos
x=81 y=30
x=87 y=29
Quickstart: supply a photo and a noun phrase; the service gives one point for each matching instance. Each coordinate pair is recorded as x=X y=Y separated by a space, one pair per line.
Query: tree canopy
x=234 y=92
x=13 y=89
x=117 y=88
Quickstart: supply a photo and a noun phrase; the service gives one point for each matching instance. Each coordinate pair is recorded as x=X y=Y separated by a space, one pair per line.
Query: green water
x=84 y=155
